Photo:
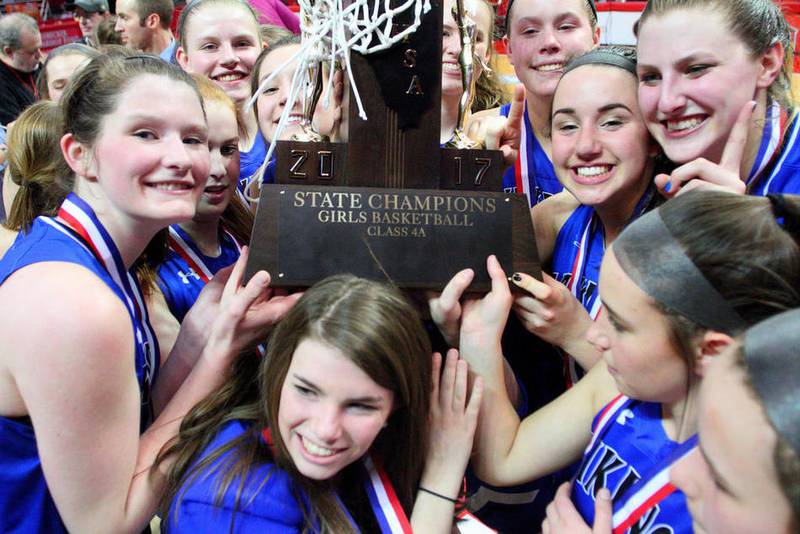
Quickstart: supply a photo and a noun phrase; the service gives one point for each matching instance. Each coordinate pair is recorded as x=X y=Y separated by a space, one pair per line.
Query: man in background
x=144 y=26
x=20 y=53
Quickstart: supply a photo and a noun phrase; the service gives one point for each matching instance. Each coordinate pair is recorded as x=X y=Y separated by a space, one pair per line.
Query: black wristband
x=448 y=499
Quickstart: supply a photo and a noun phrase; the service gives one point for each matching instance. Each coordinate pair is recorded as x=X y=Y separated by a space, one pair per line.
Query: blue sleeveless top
x=250 y=161
x=270 y=507
x=540 y=181
x=180 y=283
x=26 y=505
x=777 y=165
x=629 y=446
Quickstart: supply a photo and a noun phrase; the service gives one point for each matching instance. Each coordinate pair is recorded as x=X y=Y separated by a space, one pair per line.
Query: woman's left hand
x=563 y=517
x=452 y=423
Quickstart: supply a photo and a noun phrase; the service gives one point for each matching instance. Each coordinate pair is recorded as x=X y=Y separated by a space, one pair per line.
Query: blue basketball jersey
x=533 y=172
x=629 y=443
x=181 y=276
x=777 y=165
x=250 y=161
x=26 y=505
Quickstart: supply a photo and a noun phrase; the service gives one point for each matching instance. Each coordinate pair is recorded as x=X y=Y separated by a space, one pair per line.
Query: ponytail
x=36 y=165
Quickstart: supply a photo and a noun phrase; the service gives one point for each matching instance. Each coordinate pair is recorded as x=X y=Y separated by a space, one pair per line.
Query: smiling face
x=60 y=71
x=692 y=88
x=330 y=411
x=272 y=101
x=222 y=43
x=480 y=12
x=730 y=482
x=151 y=157
x=635 y=341
x=542 y=36
x=600 y=143
x=223 y=147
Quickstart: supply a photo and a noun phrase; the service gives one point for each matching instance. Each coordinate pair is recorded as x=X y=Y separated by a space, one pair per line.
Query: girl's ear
x=78 y=157
x=712 y=344
x=182 y=58
x=771 y=63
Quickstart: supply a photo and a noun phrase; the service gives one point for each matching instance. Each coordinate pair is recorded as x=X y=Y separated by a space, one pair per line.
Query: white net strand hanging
x=329 y=32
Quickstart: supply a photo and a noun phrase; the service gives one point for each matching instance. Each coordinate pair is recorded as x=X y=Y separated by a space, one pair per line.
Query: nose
x=671 y=99
x=217 y=165
x=451 y=45
x=118 y=25
x=327 y=425
x=176 y=155
x=587 y=147
x=549 y=42
x=598 y=338
x=228 y=55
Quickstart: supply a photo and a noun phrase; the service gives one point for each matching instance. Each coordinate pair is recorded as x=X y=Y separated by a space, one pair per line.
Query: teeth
x=685 y=124
x=451 y=67
x=550 y=67
x=171 y=186
x=317 y=450
x=230 y=77
x=593 y=171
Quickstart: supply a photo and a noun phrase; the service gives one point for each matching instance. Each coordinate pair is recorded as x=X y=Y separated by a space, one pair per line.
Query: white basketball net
x=329 y=32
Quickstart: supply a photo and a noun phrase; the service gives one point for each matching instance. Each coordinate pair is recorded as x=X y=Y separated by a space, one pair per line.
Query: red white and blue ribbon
x=649 y=490
x=383 y=499
x=182 y=246
x=522 y=163
x=607 y=414
x=78 y=216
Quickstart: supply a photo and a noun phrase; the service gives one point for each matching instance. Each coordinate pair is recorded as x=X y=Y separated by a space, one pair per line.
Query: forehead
x=126 y=6
x=221 y=20
x=278 y=57
x=221 y=119
x=157 y=94
x=548 y=9
x=701 y=30
x=623 y=296
x=65 y=64
x=595 y=86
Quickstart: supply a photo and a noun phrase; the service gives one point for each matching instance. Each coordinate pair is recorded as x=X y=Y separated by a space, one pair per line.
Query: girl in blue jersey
x=541 y=36
x=213 y=239
x=220 y=39
x=726 y=78
x=330 y=432
x=676 y=285
x=604 y=156
x=745 y=474
x=79 y=362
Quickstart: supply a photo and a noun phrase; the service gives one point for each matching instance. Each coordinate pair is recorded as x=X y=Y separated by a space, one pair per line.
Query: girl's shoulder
x=548 y=218
x=266 y=499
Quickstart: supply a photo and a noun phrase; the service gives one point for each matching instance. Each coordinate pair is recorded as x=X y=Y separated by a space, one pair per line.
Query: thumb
x=602 y=513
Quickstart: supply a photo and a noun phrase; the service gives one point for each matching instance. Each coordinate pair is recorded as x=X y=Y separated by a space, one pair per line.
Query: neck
x=160 y=42
x=130 y=235
x=677 y=418
x=449 y=116
x=205 y=235
x=539 y=115
x=616 y=213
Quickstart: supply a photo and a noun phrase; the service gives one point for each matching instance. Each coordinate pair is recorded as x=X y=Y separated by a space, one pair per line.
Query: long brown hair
x=373 y=325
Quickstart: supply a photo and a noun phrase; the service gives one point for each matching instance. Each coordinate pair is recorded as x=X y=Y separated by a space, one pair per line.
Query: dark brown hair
x=373 y=325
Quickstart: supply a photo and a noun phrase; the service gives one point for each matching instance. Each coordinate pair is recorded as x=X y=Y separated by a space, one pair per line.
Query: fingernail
x=516 y=277
x=604 y=494
x=668 y=187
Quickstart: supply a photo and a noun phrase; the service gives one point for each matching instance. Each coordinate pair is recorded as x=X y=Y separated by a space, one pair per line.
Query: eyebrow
x=714 y=471
x=614 y=315
x=363 y=400
x=691 y=58
x=604 y=109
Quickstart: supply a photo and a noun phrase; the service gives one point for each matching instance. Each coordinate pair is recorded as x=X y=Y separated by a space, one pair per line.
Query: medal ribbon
x=383 y=499
x=649 y=490
x=523 y=164
x=78 y=216
x=607 y=415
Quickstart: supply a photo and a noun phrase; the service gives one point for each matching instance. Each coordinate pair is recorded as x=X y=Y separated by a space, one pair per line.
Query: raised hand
x=704 y=174
x=501 y=133
x=563 y=517
x=445 y=307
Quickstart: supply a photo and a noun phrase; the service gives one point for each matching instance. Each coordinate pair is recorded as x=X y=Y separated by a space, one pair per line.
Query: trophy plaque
x=390 y=204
